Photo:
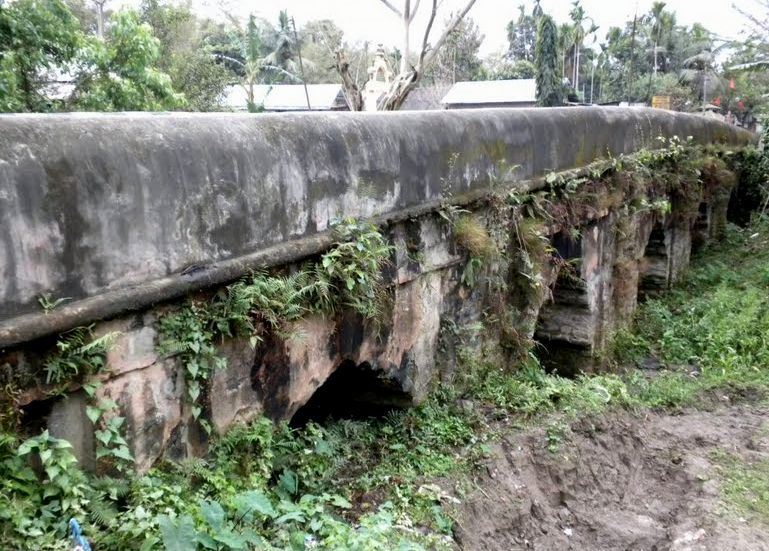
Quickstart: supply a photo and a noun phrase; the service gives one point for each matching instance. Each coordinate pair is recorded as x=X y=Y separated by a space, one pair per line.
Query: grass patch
x=744 y=486
x=471 y=234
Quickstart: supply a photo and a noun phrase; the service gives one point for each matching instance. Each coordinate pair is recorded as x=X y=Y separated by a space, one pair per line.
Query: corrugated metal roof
x=235 y=96
x=286 y=97
x=424 y=98
x=492 y=91
x=291 y=97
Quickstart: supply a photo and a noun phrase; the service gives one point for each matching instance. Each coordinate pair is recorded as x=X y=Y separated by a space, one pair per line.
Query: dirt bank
x=649 y=481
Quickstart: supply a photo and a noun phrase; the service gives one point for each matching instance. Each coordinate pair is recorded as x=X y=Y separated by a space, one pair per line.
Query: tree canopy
x=42 y=44
x=549 y=87
x=79 y=54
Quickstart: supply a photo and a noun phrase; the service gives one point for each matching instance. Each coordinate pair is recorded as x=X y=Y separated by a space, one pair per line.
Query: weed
x=48 y=303
x=348 y=275
x=473 y=237
x=554 y=436
x=744 y=485
x=78 y=355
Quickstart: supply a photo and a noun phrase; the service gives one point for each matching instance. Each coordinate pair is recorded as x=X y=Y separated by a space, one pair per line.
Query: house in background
x=277 y=98
x=426 y=97
x=491 y=93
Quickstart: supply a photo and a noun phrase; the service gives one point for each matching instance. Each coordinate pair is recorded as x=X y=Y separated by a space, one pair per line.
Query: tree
x=257 y=53
x=500 y=67
x=411 y=67
x=522 y=33
x=320 y=41
x=747 y=69
x=699 y=69
x=193 y=69
x=578 y=35
x=120 y=74
x=87 y=14
x=663 y=23
x=458 y=59
x=285 y=48
x=36 y=38
x=549 y=87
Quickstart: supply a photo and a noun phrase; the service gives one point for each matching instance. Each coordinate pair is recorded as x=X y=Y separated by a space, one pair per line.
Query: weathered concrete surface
x=93 y=204
x=215 y=190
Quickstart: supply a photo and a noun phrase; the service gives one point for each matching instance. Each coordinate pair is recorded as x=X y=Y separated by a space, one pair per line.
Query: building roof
x=235 y=96
x=287 y=97
x=292 y=97
x=424 y=98
x=492 y=91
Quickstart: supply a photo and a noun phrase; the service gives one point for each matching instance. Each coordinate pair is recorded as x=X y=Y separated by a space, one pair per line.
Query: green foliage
x=120 y=74
x=39 y=38
x=521 y=34
x=549 y=87
x=348 y=275
x=184 y=54
x=36 y=37
x=111 y=447
x=711 y=331
x=79 y=354
x=744 y=486
x=189 y=333
x=499 y=67
x=457 y=60
x=37 y=502
x=473 y=237
x=354 y=267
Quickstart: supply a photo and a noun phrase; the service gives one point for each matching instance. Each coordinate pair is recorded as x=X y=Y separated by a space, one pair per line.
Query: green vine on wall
x=348 y=275
x=517 y=274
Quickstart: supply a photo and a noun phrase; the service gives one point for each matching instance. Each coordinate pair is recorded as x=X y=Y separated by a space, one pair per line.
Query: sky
x=370 y=20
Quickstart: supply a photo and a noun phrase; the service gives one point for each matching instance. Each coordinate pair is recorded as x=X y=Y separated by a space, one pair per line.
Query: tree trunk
x=404 y=83
x=576 y=72
x=351 y=90
x=406 y=44
x=100 y=19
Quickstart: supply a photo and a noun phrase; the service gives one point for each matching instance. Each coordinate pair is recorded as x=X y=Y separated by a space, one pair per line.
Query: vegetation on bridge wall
x=510 y=265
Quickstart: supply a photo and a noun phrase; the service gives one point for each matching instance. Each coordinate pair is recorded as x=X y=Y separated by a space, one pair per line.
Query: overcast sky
x=371 y=20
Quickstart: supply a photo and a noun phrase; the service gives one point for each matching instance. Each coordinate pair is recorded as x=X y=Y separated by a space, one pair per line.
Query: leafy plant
x=63 y=484
x=79 y=354
x=354 y=267
x=48 y=303
x=110 y=443
x=348 y=275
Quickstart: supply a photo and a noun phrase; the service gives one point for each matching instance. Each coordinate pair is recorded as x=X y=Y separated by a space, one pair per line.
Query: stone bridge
x=125 y=216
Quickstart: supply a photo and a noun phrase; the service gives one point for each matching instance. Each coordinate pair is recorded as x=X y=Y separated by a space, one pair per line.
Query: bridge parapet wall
x=124 y=213
x=137 y=208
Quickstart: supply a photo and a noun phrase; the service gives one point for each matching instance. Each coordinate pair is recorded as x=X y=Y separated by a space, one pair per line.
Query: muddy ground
x=620 y=481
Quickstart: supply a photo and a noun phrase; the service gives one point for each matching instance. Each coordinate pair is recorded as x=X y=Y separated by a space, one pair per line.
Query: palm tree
x=579 y=34
x=699 y=69
x=663 y=23
x=284 y=46
x=253 y=65
x=564 y=42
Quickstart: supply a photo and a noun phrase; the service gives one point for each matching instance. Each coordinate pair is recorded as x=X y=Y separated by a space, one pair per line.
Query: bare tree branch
x=758 y=23
x=414 y=11
x=428 y=58
x=426 y=36
x=393 y=8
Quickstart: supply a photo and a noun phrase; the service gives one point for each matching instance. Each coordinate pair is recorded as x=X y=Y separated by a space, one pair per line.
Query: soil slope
x=622 y=481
